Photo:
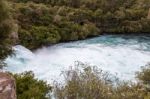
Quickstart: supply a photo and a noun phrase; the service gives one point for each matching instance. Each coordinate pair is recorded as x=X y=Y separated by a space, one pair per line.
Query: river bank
x=40 y=23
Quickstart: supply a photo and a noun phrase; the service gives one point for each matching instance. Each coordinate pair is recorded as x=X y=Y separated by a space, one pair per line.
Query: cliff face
x=7 y=86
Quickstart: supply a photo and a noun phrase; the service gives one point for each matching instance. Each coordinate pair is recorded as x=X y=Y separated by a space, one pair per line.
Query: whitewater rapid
x=120 y=55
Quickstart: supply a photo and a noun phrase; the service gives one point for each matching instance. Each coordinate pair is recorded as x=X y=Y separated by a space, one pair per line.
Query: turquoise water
x=120 y=55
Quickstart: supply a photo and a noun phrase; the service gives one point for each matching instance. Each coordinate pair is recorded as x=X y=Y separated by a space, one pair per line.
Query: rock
x=7 y=86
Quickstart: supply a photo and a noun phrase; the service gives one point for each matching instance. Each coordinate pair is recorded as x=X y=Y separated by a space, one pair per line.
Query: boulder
x=7 y=86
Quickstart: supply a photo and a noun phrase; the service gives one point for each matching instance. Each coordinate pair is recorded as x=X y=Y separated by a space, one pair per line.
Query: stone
x=7 y=86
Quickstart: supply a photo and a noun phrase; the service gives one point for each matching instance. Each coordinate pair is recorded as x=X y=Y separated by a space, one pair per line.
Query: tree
x=89 y=82
x=5 y=31
x=28 y=87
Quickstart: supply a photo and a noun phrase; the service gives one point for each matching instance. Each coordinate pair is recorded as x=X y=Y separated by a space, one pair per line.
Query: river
x=120 y=55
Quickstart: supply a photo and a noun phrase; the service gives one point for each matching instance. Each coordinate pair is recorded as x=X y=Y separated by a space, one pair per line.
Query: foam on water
x=119 y=55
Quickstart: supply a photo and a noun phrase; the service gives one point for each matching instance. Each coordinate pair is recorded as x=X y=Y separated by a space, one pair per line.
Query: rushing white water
x=121 y=55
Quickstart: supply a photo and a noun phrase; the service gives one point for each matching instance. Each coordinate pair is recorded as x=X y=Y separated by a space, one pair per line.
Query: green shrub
x=69 y=20
x=84 y=81
x=91 y=30
x=28 y=87
x=38 y=36
x=6 y=25
x=144 y=75
x=25 y=38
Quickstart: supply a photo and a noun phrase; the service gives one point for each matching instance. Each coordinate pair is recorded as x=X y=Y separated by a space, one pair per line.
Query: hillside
x=49 y=22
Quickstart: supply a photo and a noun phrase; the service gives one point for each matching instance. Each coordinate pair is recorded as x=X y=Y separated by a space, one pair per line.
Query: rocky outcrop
x=7 y=86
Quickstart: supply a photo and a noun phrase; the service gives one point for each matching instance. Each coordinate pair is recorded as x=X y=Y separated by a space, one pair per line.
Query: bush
x=84 y=81
x=144 y=76
x=69 y=20
x=38 y=36
x=28 y=87
x=87 y=82
x=5 y=31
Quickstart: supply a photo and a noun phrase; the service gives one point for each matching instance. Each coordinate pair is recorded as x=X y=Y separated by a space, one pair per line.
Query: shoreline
x=90 y=37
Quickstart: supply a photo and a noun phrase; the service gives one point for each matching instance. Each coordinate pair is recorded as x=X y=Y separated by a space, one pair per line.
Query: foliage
x=39 y=36
x=84 y=81
x=77 y=19
x=144 y=76
x=44 y=22
x=5 y=30
x=30 y=88
x=87 y=82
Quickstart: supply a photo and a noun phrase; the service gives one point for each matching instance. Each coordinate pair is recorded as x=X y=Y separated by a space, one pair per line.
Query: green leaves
x=38 y=36
x=6 y=26
x=28 y=87
x=44 y=22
